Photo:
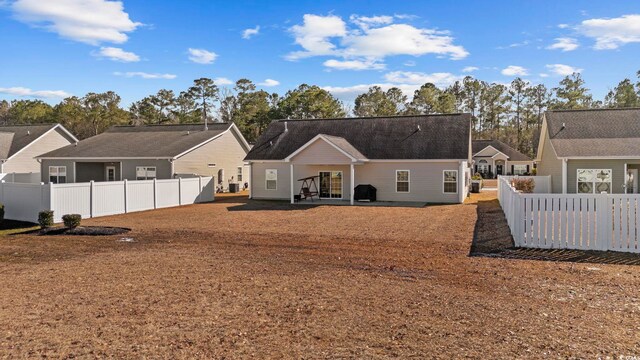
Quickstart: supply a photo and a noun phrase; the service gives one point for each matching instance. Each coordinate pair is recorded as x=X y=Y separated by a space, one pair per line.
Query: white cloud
x=314 y=34
x=612 y=33
x=116 y=54
x=543 y=75
x=248 y=33
x=374 y=38
x=145 y=75
x=202 y=56
x=365 y=22
x=469 y=69
x=563 y=26
x=513 y=70
x=354 y=64
x=402 y=39
x=87 y=21
x=562 y=70
x=419 y=78
x=223 y=81
x=564 y=44
x=269 y=83
x=410 y=63
x=26 y=92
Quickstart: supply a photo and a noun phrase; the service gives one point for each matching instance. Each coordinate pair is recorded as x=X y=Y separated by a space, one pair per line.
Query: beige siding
x=616 y=166
x=320 y=152
x=258 y=181
x=426 y=179
x=488 y=151
x=550 y=165
x=24 y=161
x=226 y=152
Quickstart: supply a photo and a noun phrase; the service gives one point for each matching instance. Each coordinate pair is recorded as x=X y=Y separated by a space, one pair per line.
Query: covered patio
x=325 y=162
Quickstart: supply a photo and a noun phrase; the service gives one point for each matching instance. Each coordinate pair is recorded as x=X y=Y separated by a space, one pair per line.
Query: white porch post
x=353 y=181
x=624 y=180
x=291 y=175
x=564 y=176
x=461 y=181
x=250 y=176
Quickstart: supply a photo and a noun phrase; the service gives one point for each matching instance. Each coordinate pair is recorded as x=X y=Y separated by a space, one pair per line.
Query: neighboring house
x=407 y=158
x=151 y=152
x=591 y=151
x=20 y=144
x=493 y=157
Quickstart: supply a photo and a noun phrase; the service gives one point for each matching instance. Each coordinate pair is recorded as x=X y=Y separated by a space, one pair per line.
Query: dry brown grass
x=266 y=280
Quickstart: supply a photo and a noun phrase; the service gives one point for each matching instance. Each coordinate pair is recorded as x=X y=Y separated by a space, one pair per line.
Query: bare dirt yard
x=243 y=279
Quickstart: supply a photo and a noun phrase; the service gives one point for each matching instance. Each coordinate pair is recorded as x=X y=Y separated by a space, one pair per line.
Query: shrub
x=45 y=218
x=524 y=185
x=534 y=171
x=476 y=176
x=72 y=220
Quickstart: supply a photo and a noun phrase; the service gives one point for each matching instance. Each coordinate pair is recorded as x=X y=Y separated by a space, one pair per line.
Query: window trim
x=593 y=188
x=58 y=173
x=408 y=182
x=266 y=180
x=146 y=169
x=524 y=169
x=240 y=174
x=450 y=182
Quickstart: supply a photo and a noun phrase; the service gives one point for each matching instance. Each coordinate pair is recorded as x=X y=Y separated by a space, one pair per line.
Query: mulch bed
x=82 y=231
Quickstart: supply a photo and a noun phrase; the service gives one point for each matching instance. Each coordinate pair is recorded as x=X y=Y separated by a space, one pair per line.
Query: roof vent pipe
x=419 y=128
x=563 y=126
x=286 y=128
x=28 y=132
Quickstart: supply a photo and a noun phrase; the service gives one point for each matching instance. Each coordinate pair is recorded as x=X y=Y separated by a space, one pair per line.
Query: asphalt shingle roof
x=395 y=137
x=595 y=133
x=149 y=141
x=15 y=138
x=513 y=154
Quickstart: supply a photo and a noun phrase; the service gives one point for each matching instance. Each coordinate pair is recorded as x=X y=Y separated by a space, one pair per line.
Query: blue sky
x=70 y=47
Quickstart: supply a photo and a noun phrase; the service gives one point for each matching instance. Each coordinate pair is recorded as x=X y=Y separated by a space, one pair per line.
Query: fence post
x=51 y=199
x=179 y=191
x=91 y=198
x=126 y=195
x=155 y=195
x=603 y=225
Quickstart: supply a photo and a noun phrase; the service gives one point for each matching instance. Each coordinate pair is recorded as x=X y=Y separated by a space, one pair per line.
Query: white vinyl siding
x=271 y=179
x=145 y=172
x=403 y=179
x=450 y=181
x=58 y=174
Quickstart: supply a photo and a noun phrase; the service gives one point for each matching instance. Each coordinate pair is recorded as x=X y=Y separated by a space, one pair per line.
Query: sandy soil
x=239 y=279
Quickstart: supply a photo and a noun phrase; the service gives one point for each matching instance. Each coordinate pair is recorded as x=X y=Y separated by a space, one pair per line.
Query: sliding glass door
x=331 y=184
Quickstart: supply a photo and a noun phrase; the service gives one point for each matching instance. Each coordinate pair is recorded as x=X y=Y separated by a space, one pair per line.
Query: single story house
x=493 y=157
x=151 y=152
x=406 y=158
x=20 y=144
x=591 y=151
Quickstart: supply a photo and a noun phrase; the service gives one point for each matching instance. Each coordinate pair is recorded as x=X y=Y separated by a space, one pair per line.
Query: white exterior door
x=110 y=173
x=632 y=181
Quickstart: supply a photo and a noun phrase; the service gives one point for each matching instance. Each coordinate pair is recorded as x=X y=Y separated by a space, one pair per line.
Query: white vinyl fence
x=572 y=221
x=24 y=201
x=25 y=178
x=543 y=183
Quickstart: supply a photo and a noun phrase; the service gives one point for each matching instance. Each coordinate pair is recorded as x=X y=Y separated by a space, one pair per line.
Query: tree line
x=508 y=112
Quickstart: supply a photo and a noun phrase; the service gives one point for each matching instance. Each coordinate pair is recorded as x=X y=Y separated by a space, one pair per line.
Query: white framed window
x=239 y=174
x=403 y=179
x=594 y=181
x=57 y=174
x=271 y=179
x=145 y=172
x=519 y=169
x=450 y=181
